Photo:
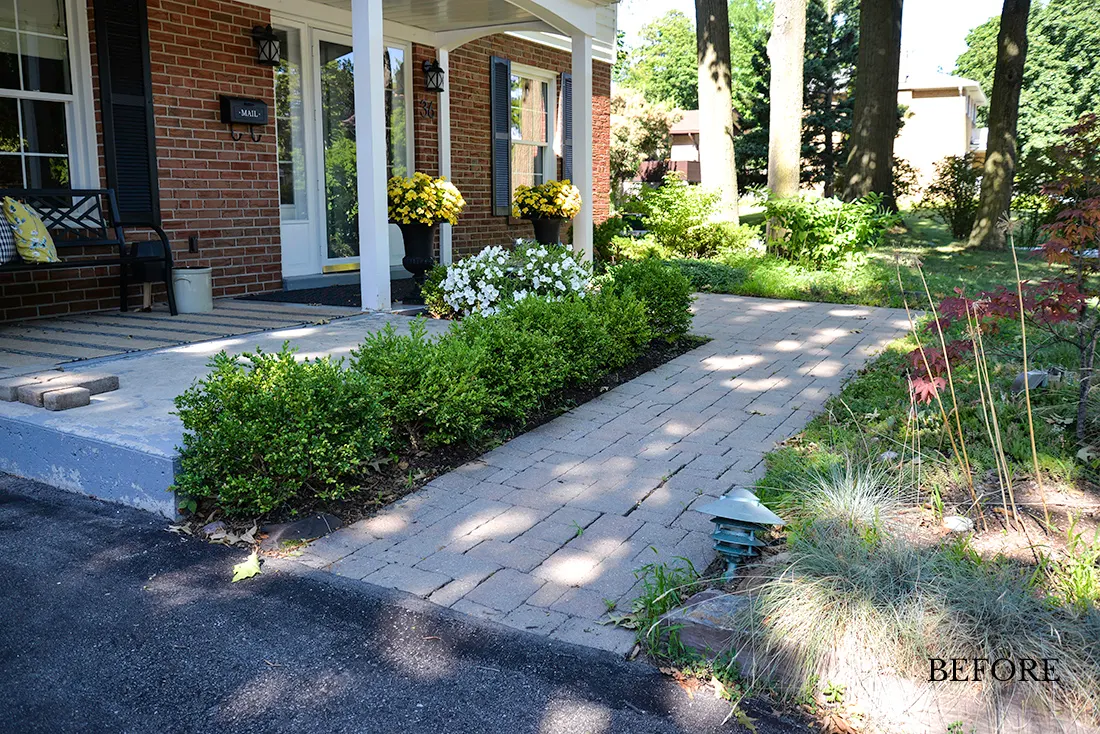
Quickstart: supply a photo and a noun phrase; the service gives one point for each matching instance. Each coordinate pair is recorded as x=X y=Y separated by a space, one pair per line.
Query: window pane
x=7 y=13
x=396 y=138
x=41 y=16
x=45 y=64
x=44 y=127
x=530 y=107
x=289 y=126
x=9 y=61
x=11 y=172
x=338 y=138
x=528 y=164
x=9 y=126
x=47 y=172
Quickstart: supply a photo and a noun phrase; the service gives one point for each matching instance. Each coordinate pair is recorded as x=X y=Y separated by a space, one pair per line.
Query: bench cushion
x=8 y=253
x=32 y=239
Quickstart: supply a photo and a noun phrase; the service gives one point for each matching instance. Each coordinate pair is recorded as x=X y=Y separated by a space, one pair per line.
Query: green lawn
x=947 y=265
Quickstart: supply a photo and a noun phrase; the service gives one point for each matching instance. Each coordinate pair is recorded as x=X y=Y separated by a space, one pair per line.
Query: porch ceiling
x=438 y=16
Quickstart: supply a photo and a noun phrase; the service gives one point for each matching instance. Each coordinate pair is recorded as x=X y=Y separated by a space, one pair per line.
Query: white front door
x=324 y=237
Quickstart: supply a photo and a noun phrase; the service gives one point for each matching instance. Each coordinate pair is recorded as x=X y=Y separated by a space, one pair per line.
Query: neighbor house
x=940 y=120
x=684 y=152
x=128 y=94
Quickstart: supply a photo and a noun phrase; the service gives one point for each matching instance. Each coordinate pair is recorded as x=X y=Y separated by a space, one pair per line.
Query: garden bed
x=409 y=469
x=271 y=437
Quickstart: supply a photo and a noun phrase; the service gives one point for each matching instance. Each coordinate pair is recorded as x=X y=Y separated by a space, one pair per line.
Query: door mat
x=332 y=295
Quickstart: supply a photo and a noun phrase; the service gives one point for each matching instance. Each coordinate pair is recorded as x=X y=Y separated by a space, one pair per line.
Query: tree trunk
x=786 y=50
x=717 y=167
x=829 y=150
x=1000 y=157
x=875 y=118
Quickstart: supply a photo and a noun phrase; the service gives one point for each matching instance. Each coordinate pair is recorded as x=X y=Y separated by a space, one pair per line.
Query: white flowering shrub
x=476 y=284
x=496 y=277
x=548 y=272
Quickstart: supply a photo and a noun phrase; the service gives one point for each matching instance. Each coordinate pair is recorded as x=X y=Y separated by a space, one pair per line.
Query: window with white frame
x=532 y=122
x=36 y=94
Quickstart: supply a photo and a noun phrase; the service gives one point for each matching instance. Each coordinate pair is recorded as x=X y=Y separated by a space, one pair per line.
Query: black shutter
x=500 y=105
x=126 y=99
x=567 y=126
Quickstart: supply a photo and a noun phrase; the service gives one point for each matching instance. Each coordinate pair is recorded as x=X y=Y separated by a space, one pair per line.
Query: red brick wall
x=226 y=192
x=223 y=191
x=468 y=82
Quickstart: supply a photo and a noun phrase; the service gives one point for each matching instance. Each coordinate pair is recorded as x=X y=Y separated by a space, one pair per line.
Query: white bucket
x=194 y=289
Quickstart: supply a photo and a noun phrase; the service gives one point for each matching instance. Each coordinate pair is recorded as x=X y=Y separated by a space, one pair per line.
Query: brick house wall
x=471 y=168
x=225 y=192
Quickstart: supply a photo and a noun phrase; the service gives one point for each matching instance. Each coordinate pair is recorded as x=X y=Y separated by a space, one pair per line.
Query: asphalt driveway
x=108 y=623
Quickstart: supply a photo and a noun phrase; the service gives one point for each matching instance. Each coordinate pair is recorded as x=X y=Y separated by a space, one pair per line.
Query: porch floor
x=42 y=344
x=123 y=447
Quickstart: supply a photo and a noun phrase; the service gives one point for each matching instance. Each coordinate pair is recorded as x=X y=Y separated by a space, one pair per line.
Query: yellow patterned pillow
x=32 y=239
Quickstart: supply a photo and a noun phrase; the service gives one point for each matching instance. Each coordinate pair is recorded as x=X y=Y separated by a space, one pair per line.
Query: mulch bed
x=333 y=295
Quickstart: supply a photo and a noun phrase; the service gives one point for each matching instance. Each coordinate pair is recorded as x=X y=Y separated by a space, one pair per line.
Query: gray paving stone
x=66 y=398
x=505 y=590
x=477 y=610
x=628 y=467
x=591 y=633
x=458 y=565
x=583 y=603
x=412 y=580
x=357 y=565
x=534 y=619
x=508 y=555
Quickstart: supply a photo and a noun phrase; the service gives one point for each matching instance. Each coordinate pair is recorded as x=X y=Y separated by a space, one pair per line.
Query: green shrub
x=276 y=431
x=603 y=234
x=522 y=365
x=578 y=334
x=624 y=317
x=817 y=233
x=431 y=392
x=432 y=293
x=638 y=248
x=681 y=217
x=664 y=290
x=708 y=276
x=953 y=195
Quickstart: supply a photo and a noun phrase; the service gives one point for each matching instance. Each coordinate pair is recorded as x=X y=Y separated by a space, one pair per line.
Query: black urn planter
x=547 y=229
x=419 y=240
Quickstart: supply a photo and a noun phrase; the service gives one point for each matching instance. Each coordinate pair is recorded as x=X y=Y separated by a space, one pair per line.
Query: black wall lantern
x=433 y=76
x=267 y=45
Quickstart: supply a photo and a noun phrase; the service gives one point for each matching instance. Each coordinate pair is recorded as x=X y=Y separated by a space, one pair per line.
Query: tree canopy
x=663 y=65
x=1062 y=73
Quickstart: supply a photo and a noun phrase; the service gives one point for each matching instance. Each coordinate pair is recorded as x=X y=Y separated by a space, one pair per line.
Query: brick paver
x=545 y=532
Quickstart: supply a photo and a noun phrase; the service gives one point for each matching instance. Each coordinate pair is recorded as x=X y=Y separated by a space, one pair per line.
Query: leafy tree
x=832 y=43
x=786 y=49
x=640 y=130
x=1001 y=150
x=663 y=66
x=717 y=164
x=1061 y=73
x=832 y=40
x=875 y=116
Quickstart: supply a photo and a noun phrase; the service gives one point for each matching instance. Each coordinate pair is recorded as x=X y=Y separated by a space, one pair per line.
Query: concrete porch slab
x=122 y=447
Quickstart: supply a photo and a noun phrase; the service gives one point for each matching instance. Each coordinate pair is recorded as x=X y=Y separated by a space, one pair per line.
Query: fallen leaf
x=247 y=568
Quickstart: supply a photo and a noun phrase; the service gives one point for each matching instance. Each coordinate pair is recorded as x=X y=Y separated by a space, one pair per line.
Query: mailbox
x=243 y=111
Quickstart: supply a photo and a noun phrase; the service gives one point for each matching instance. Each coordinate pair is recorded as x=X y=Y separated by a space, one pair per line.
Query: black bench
x=88 y=218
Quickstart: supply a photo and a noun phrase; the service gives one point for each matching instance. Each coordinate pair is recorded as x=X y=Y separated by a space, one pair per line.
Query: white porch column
x=370 y=137
x=444 y=132
x=582 y=141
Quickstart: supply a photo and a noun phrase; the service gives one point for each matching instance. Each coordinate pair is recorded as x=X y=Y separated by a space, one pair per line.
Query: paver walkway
x=544 y=532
